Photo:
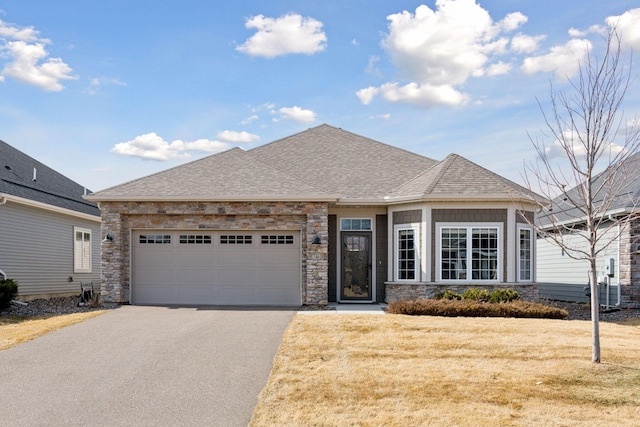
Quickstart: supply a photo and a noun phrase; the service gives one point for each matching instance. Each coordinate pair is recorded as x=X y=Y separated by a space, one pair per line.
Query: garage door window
x=277 y=240
x=195 y=239
x=235 y=240
x=158 y=239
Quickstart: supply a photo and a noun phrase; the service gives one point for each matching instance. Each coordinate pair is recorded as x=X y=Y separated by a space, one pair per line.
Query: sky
x=105 y=92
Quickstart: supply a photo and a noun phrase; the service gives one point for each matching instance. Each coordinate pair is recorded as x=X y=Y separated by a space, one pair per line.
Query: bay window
x=406 y=243
x=470 y=253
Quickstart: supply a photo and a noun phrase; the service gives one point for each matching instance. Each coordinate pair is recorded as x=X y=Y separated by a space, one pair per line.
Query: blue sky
x=108 y=91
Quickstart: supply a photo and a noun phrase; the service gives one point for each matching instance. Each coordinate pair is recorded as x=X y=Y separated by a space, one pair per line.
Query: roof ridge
x=446 y=164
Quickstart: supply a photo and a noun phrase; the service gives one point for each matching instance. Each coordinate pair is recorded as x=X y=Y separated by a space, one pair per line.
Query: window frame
x=528 y=228
x=351 y=223
x=80 y=261
x=415 y=228
x=469 y=227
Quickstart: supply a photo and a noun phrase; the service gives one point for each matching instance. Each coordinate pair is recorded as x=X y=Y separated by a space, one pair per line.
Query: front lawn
x=395 y=370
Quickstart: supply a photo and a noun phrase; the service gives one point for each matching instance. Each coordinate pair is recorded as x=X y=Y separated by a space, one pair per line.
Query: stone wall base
x=414 y=291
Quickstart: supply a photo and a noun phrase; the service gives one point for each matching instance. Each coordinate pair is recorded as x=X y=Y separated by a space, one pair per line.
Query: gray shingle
x=50 y=187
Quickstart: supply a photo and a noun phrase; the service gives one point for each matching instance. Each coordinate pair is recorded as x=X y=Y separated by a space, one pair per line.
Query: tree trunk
x=595 y=314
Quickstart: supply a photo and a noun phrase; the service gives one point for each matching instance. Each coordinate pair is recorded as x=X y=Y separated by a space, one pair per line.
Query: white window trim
x=82 y=268
x=469 y=226
x=416 y=262
x=531 y=257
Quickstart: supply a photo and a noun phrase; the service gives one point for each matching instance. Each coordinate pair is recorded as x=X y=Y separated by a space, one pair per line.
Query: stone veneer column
x=317 y=292
x=111 y=258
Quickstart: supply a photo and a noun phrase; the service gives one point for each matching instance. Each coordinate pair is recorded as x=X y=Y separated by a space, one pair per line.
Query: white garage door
x=218 y=268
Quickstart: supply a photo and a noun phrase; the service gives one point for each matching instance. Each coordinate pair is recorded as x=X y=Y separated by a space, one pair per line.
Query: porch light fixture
x=108 y=238
x=316 y=240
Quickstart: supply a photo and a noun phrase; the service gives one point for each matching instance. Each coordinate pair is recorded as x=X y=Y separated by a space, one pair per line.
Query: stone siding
x=404 y=291
x=630 y=265
x=119 y=218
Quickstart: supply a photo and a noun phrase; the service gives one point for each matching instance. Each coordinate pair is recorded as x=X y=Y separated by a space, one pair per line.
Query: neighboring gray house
x=562 y=278
x=49 y=235
x=322 y=215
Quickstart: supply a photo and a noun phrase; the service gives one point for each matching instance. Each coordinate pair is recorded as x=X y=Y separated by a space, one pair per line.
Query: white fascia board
x=457 y=197
x=51 y=208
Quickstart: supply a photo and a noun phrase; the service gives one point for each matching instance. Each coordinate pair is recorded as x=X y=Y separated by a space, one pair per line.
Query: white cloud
x=290 y=33
x=498 y=68
x=371 y=66
x=297 y=114
x=439 y=50
x=522 y=43
x=423 y=95
x=153 y=147
x=512 y=21
x=381 y=116
x=238 y=137
x=564 y=60
x=355 y=42
x=96 y=83
x=26 y=66
x=29 y=59
x=628 y=27
x=367 y=94
x=573 y=140
x=250 y=119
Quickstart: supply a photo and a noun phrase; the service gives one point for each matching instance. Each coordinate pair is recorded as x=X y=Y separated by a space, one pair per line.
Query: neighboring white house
x=49 y=235
x=562 y=278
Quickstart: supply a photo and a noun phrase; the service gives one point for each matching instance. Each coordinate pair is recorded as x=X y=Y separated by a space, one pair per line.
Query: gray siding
x=36 y=249
x=407 y=217
x=575 y=292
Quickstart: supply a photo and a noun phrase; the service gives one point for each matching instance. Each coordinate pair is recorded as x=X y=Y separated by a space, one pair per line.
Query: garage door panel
x=219 y=268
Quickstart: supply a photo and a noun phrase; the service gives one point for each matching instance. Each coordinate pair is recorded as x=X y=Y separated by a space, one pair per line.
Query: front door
x=356 y=266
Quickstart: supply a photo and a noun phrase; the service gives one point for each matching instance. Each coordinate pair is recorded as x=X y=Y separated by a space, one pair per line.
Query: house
x=563 y=278
x=323 y=215
x=48 y=232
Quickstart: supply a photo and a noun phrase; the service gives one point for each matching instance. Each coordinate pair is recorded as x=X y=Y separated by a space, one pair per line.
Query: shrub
x=8 y=291
x=504 y=295
x=473 y=308
x=476 y=294
x=448 y=294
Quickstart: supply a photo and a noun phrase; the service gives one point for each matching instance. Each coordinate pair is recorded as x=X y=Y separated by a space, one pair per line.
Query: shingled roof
x=24 y=177
x=322 y=163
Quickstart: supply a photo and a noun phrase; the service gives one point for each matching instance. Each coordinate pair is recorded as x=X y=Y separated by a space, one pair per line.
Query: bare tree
x=600 y=160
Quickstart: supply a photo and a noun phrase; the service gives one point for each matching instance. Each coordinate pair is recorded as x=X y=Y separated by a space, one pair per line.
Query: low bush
x=476 y=294
x=474 y=308
x=8 y=291
x=448 y=294
x=504 y=295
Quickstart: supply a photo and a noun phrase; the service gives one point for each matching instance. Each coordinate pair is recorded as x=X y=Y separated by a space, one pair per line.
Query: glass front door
x=356 y=266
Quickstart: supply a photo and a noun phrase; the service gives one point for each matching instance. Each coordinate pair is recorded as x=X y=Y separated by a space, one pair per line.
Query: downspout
x=3 y=200
x=611 y=218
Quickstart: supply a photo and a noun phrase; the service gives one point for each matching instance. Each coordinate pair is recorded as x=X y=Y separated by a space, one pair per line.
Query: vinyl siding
x=563 y=278
x=36 y=249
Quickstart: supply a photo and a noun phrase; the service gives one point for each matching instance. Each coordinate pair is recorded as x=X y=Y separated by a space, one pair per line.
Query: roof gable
x=23 y=176
x=232 y=174
x=457 y=177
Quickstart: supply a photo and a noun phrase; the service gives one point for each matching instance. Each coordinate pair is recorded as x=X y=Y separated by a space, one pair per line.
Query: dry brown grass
x=15 y=330
x=394 y=370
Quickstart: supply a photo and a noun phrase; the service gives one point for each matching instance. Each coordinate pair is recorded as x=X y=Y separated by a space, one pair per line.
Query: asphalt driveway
x=144 y=366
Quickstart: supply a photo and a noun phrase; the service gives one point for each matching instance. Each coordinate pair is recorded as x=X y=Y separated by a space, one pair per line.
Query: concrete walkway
x=342 y=308
x=144 y=366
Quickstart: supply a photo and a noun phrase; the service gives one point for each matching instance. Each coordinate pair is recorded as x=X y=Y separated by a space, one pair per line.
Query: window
x=406 y=253
x=525 y=252
x=155 y=239
x=277 y=240
x=195 y=239
x=236 y=240
x=81 y=250
x=470 y=253
x=355 y=224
